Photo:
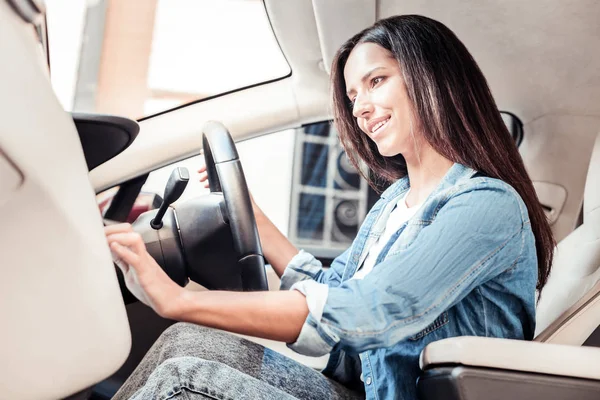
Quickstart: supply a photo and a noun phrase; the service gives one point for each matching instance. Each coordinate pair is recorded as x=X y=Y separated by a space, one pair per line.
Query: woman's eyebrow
x=364 y=78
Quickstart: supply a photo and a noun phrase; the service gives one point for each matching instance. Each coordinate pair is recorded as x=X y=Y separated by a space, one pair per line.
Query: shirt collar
x=455 y=174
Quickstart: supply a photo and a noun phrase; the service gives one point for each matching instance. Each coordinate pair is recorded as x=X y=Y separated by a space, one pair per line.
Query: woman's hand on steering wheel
x=203 y=176
x=143 y=276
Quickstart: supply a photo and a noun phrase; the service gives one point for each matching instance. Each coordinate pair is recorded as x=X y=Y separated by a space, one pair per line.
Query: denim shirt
x=464 y=264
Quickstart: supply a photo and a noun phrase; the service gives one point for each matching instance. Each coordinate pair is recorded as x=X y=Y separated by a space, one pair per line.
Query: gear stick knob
x=175 y=186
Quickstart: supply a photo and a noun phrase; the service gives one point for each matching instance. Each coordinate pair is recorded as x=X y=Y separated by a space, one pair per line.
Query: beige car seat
x=64 y=325
x=569 y=308
x=554 y=366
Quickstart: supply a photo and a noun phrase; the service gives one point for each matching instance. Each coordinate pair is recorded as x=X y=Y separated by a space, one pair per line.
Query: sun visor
x=338 y=21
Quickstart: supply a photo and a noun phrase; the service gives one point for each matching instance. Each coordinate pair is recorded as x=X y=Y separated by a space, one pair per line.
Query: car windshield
x=138 y=58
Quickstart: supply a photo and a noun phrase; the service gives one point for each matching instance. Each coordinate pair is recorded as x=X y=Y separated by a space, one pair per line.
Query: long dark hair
x=453 y=108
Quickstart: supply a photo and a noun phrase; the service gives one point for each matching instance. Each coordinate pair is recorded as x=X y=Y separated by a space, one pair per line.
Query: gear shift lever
x=175 y=186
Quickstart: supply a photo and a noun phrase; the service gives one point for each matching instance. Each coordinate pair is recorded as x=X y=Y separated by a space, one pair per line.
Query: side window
x=267 y=162
x=157 y=179
x=329 y=199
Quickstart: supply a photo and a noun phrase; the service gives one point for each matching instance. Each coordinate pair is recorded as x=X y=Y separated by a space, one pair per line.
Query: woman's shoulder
x=482 y=192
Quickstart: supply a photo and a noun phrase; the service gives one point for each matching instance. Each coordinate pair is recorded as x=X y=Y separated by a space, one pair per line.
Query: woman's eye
x=376 y=80
x=351 y=102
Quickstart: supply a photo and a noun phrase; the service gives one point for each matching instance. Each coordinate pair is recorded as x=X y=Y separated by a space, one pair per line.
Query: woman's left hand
x=143 y=276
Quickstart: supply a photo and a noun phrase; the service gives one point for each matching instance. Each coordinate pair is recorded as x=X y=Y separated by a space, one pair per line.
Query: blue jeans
x=193 y=362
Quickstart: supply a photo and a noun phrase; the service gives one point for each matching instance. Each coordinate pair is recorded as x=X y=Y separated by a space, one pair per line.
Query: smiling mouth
x=378 y=127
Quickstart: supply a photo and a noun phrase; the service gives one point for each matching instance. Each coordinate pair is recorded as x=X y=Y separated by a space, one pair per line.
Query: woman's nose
x=362 y=107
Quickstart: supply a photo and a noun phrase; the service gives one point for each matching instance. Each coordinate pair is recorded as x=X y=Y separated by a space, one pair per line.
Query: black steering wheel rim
x=225 y=175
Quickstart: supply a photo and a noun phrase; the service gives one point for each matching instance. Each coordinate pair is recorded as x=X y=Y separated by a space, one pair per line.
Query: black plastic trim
x=516 y=130
x=104 y=136
x=110 y=120
x=457 y=382
x=124 y=199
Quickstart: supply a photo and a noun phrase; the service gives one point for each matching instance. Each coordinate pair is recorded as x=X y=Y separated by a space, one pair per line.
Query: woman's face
x=375 y=87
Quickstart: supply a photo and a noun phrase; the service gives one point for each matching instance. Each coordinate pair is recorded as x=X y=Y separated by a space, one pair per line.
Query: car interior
x=71 y=328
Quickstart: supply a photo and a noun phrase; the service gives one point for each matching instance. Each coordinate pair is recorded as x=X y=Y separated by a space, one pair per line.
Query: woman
x=457 y=245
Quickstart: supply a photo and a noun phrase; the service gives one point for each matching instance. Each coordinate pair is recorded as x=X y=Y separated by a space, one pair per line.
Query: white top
x=399 y=215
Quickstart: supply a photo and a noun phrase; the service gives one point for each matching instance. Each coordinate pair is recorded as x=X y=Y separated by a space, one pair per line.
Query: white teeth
x=379 y=125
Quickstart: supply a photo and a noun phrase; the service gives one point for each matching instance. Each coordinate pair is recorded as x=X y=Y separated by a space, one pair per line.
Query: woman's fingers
x=143 y=276
x=125 y=254
x=129 y=246
x=203 y=175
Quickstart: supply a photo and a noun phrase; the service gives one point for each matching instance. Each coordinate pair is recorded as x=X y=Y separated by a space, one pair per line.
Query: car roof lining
x=535 y=67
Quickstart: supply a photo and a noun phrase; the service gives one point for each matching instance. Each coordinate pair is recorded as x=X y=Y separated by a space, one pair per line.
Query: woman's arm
x=270 y=315
x=277 y=249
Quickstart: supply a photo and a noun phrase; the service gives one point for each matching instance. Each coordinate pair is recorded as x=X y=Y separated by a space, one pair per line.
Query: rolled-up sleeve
x=306 y=274
x=476 y=236
x=309 y=342
x=304 y=266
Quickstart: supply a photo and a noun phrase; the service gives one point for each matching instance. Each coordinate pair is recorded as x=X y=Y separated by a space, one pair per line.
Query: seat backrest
x=64 y=325
x=569 y=308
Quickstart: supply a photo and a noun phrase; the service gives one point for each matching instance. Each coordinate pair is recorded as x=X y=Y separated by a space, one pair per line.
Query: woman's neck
x=425 y=173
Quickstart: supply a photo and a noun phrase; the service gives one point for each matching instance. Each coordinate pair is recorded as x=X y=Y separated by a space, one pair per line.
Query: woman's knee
x=185 y=339
x=183 y=331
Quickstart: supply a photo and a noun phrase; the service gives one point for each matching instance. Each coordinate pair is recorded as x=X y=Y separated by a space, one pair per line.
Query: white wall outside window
x=267 y=163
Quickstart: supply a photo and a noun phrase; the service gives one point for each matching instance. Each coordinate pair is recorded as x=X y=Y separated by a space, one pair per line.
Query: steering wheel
x=210 y=239
x=225 y=175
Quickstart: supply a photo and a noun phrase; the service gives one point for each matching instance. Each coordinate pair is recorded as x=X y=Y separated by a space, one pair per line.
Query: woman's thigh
x=190 y=361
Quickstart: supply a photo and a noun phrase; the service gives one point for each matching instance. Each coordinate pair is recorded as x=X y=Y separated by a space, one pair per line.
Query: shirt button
x=368 y=381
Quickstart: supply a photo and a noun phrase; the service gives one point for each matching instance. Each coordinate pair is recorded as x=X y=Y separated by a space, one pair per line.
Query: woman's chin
x=386 y=151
